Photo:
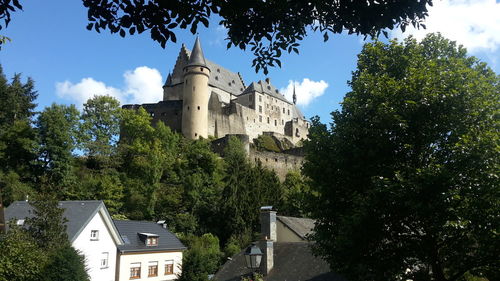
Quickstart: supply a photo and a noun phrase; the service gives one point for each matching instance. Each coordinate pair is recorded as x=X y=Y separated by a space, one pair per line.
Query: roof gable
x=78 y=214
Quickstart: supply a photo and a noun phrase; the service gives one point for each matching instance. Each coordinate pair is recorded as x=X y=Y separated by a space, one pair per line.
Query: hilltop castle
x=202 y=99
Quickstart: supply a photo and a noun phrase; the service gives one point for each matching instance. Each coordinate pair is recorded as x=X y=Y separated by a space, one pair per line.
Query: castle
x=202 y=99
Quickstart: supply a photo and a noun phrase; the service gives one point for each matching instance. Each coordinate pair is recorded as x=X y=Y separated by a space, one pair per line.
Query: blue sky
x=68 y=63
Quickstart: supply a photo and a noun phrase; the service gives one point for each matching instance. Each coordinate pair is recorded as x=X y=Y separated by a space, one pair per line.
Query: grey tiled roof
x=197 y=58
x=129 y=231
x=301 y=226
x=268 y=88
x=292 y=261
x=78 y=213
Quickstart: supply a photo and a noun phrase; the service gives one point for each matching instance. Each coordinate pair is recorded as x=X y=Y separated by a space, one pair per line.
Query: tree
x=296 y=193
x=58 y=133
x=267 y=27
x=66 y=264
x=202 y=258
x=20 y=258
x=7 y=6
x=100 y=127
x=407 y=175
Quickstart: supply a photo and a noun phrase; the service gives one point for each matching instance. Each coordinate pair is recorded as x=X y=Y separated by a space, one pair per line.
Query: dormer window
x=149 y=239
x=152 y=241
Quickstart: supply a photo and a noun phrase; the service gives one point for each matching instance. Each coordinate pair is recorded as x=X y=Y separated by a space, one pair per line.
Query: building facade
x=202 y=99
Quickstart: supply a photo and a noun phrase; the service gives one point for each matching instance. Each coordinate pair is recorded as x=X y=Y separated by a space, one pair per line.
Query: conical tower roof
x=197 y=58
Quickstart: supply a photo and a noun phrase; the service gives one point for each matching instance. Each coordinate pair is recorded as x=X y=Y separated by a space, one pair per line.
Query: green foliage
x=14 y=188
x=66 y=264
x=202 y=258
x=407 y=175
x=253 y=277
x=296 y=194
x=100 y=127
x=268 y=28
x=58 y=132
x=20 y=257
x=47 y=226
x=266 y=142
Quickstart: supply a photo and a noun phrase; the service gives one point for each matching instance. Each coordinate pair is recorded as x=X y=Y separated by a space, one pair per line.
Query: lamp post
x=253 y=256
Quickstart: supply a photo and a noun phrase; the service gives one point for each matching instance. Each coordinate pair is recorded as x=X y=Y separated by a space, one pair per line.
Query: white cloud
x=305 y=91
x=142 y=85
x=218 y=35
x=472 y=23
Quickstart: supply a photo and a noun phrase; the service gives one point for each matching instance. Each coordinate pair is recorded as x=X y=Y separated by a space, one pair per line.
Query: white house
x=90 y=230
x=150 y=252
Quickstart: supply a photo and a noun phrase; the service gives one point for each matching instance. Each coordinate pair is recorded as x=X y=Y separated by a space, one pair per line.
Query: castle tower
x=195 y=95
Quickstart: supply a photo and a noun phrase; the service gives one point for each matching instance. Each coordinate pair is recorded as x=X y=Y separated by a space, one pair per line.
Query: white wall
x=144 y=259
x=93 y=250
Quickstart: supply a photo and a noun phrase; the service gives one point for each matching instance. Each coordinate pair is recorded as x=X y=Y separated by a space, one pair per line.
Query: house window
x=169 y=267
x=135 y=270
x=104 y=260
x=153 y=241
x=153 y=269
x=94 y=235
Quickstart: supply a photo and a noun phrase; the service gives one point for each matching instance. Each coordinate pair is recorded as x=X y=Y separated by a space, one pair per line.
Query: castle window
x=260 y=118
x=188 y=107
x=260 y=98
x=229 y=83
x=282 y=122
x=201 y=69
x=275 y=159
x=233 y=82
x=268 y=87
x=195 y=134
x=275 y=122
x=198 y=107
x=218 y=70
x=267 y=120
x=194 y=88
x=260 y=108
x=217 y=78
x=289 y=112
x=283 y=110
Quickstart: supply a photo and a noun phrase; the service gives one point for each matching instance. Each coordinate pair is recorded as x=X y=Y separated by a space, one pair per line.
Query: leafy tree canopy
x=407 y=174
x=267 y=27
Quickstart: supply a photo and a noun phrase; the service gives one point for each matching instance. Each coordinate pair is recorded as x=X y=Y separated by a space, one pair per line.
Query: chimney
x=268 y=232
x=162 y=223
x=268 y=223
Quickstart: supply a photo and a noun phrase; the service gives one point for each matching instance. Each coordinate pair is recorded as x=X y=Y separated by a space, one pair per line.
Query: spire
x=294 y=95
x=169 y=79
x=197 y=58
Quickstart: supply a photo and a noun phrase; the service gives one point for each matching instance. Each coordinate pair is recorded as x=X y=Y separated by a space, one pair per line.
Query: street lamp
x=253 y=256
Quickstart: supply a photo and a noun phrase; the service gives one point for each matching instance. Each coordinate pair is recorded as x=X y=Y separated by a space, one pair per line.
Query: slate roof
x=197 y=58
x=78 y=213
x=220 y=77
x=292 y=262
x=264 y=87
x=129 y=231
x=301 y=226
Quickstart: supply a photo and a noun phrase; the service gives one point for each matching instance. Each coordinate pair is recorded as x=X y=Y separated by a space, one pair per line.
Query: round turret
x=195 y=95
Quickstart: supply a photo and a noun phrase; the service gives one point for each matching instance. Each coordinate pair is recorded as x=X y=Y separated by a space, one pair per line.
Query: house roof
x=263 y=86
x=77 y=213
x=130 y=230
x=292 y=261
x=301 y=226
